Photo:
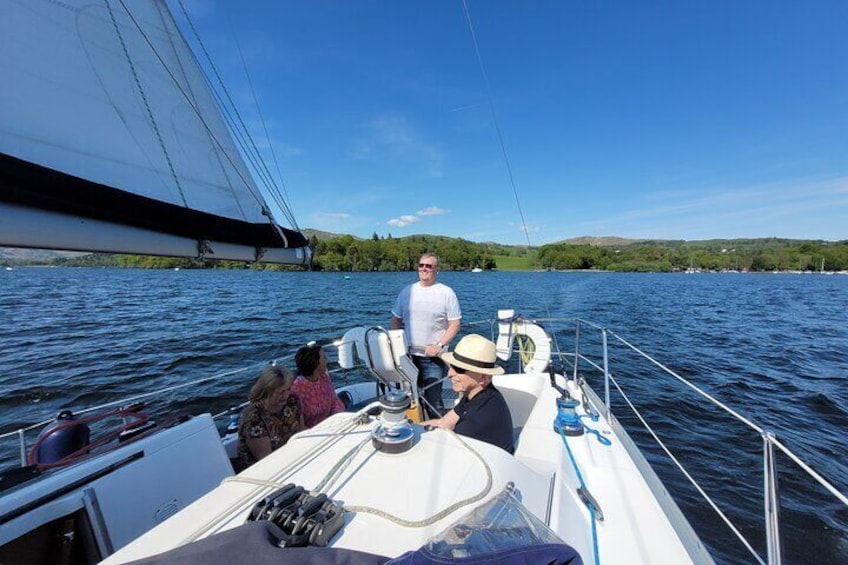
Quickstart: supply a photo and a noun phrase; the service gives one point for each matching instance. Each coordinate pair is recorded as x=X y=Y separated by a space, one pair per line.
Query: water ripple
x=771 y=347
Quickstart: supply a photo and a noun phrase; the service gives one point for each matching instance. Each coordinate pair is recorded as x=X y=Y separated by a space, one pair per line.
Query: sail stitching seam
x=146 y=104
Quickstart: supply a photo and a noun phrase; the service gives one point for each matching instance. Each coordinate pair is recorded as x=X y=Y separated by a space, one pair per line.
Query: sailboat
x=112 y=140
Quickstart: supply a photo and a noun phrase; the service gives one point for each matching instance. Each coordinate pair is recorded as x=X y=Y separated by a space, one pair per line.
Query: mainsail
x=111 y=140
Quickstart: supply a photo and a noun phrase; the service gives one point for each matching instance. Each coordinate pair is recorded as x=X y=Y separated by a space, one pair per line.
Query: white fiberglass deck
x=438 y=472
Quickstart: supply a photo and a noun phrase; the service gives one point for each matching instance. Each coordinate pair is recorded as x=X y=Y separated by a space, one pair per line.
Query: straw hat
x=474 y=353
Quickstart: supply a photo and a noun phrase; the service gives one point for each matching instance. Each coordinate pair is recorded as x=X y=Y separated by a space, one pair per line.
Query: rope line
x=443 y=513
x=589 y=506
x=278 y=479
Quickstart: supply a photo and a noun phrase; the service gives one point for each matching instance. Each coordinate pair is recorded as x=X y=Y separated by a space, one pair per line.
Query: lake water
x=772 y=347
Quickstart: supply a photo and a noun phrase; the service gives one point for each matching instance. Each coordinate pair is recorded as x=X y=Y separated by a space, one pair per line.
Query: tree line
x=755 y=255
x=346 y=253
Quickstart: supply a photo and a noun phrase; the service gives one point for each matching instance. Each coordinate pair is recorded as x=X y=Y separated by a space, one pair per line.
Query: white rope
x=335 y=434
x=443 y=513
x=686 y=473
x=335 y=472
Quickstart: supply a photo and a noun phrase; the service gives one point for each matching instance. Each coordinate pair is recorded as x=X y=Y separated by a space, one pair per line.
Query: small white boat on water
x=160 y=174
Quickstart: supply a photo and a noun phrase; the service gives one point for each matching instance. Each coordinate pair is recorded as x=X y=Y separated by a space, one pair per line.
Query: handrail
x=770 y=495
x=770 y=498
x=21 y=432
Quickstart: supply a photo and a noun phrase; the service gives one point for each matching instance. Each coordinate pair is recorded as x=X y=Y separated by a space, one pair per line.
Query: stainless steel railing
x=771 y=498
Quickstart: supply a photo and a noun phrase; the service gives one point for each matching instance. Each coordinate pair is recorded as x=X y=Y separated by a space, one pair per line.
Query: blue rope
x=603 y=440
x=590 y=506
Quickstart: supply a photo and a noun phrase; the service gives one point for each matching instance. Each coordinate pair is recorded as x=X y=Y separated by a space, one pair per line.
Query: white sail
x=111 y=140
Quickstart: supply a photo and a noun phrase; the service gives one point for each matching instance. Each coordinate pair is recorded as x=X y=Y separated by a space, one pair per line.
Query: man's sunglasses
x=426 y=265
x=458 y=370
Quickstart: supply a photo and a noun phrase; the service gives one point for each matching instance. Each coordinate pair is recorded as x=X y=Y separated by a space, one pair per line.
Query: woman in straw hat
x=482 y=412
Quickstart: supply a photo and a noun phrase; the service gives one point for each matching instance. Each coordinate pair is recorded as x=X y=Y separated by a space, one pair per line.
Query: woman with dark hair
x=313 y=386
x=271 y=418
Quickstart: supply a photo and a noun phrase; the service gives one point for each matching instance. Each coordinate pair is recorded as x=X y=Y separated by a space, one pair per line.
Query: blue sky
x=669 y=120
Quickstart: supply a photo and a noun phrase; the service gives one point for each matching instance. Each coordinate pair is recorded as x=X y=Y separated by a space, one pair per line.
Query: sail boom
x=31 y=185
x=42 y=229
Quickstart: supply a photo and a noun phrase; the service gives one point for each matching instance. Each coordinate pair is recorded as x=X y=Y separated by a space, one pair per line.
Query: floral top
x=256 y=422
x=318 y=399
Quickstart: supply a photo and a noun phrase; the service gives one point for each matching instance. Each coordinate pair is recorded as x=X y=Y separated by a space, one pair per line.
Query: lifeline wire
x=686 y=473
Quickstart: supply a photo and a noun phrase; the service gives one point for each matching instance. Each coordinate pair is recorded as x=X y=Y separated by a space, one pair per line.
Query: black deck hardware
x=304 y=518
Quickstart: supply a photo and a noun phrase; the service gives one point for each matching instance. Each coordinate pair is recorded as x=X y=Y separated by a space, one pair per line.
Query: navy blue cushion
x=545 y=554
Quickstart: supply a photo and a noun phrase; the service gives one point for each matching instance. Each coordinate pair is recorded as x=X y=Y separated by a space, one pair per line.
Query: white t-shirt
x=425 y=311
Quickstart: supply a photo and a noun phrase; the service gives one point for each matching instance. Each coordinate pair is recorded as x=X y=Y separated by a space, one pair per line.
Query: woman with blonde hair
x=271 y=418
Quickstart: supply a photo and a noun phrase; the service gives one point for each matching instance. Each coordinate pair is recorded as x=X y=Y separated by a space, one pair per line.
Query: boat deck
x=397 y=502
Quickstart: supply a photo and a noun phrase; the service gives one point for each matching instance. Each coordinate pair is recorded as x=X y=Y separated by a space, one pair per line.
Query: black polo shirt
x=485 y=417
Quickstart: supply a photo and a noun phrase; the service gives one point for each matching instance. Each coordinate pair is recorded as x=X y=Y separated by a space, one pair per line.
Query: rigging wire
x=275 y=193
x=494 y=112
x=239 y=124
x=499 y=132
x=258 y=196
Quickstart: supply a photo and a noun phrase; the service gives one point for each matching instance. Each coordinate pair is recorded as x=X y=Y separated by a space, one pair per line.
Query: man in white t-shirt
x=429 y=313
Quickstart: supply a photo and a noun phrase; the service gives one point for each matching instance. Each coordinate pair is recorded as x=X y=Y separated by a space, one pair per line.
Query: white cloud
x=432 y=211
x=404 y=221
x=408 y=219
x=323 y=217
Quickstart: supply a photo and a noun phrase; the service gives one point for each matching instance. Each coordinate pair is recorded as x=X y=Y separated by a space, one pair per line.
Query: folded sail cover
x=106 y=115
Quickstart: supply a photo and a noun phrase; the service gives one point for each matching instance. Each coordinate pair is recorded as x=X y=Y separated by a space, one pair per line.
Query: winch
x=392 y=432
x=567 y=420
